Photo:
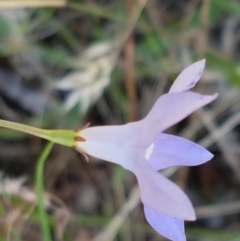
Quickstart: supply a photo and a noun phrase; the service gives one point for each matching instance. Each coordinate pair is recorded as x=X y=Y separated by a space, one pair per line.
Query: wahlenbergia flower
x=142 y=148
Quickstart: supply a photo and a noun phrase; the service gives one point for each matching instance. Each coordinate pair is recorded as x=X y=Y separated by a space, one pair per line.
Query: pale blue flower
x=142 y=148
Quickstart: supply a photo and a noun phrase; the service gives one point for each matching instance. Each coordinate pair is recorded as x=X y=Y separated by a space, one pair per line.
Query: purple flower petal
x=168 y=110
x=162 y=195
x=169 y=227
x=188 y=77
x=168 y=150
x=110 y=143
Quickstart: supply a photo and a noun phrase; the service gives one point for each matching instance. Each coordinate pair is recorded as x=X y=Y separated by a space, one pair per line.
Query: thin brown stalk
x=32 y=3
x=130 y=70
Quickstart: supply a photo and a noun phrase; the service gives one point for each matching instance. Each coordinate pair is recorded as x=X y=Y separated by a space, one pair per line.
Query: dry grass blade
x=111 y=230
x=130 y=70
x=130 y=78
x=218 y=210
x=32 y=3
x=228 y=125
x=136 y=11
x=221 y=141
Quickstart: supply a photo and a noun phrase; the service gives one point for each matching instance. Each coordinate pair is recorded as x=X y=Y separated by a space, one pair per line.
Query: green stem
x=63 y=137
x=39 y=182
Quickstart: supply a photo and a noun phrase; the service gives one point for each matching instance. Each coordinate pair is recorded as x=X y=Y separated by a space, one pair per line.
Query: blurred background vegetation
x=66 y=63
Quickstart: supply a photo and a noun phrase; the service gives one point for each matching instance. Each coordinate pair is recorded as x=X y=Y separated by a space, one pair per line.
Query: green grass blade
x=39 y=183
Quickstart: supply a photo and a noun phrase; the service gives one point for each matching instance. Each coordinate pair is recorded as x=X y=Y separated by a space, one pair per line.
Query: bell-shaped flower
x=142 y=148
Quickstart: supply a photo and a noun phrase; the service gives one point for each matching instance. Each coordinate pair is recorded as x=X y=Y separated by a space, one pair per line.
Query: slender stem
x=130 y=69
x=63 y=137
x=39 y=183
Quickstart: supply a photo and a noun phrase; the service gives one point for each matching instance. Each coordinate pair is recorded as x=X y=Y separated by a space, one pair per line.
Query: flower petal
x=110 y=143
x=169 y=227
x=170 y=109
x=162 y=195
x=169 y=150
x=188 y=77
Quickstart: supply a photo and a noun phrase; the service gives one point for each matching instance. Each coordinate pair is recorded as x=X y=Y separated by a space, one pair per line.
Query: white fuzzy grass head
x=91 y=76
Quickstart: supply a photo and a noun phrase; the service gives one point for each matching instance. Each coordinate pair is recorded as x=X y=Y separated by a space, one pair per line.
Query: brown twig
x=130 y=70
